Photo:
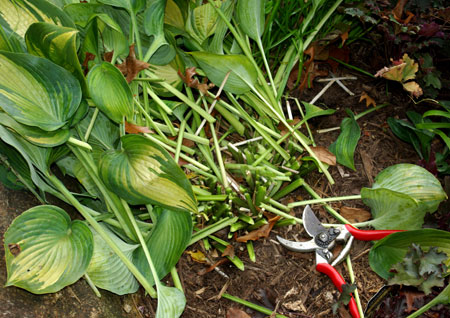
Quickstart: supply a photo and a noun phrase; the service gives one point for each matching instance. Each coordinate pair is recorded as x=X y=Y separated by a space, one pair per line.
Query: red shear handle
x=373 y=235
x=338 y=281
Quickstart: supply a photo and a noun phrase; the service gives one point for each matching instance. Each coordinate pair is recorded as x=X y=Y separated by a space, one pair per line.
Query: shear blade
x=311 y=223
x=308 y=246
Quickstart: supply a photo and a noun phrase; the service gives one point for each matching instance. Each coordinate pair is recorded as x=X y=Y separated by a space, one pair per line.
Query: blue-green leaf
x=106 y=269
x=45 y=251
x=250 y=16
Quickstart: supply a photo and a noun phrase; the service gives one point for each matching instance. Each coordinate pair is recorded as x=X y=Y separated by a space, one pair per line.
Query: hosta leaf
x=202 y=22
x=110 y=91
x=37 y=92
x=171 y=302
x=45 y=251
x=166 y=242
x=58 y=44
x=393 y=248
x=154 y=24
x=414 y=181
x=392 y=210
x=250 y=16
x=216 y=44
x=344 y=147
x=20 y=14
x=142 y=172
x=169 y=74
x=36 y=135
x=314 y=111
x=106 y=269
x=173 y=15
x=216 y=67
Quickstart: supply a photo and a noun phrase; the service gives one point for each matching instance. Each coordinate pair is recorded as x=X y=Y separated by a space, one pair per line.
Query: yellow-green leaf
x=142 y=172
x=45 y=251
x=37 y=92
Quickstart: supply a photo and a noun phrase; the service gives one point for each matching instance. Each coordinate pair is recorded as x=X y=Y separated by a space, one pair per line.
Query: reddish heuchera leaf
x=132 y=66
x=262 y=232
x=135 y=129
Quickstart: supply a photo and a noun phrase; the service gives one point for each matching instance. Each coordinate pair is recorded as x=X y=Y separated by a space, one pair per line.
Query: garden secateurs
x=324 y=239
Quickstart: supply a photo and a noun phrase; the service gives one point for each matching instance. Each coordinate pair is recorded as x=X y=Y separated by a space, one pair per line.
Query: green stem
x=92 y=285
x=135 y=30
x=442 y=298
x=280 y=213
x=223 y=223
x=352 y=280
x=364 y=113
x=98 y=228
x=253 y=306
x=323 y=200
x=180 y=140
x=79 y=143
x=353 y=67
x=91 y=124
x=327 y=207
x=176 y=279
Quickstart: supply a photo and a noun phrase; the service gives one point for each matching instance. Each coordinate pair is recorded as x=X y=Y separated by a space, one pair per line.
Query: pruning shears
x=324 y=239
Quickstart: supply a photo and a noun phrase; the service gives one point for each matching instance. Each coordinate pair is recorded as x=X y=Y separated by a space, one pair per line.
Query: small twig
x=343 y=86
x=213 y=104
x=241 y=143
x=289 y=111
x=326 y=87
x=337 y=78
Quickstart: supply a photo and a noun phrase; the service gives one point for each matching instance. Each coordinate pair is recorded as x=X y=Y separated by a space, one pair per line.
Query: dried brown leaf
x=261 y=232
x=135 y=129
x=324 y=155
x=355 y=215
x=413 y=88
x=369 y=100
x=229 y=251
x=132 y=66
x=344 y=37
x=236 y=313
x=188 y=78
x=85 y=65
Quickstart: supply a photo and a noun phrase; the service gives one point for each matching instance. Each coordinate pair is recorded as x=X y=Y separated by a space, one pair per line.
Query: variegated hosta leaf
x=142 y=172
x=35 y=135
x=414 y=181
x=110 y=91
x=106 y=269
x=45 y=251
x=202 y=22
x=58 y=44
x=216 y=66
x=166 y=242
x=20 y=14
x=37 y=92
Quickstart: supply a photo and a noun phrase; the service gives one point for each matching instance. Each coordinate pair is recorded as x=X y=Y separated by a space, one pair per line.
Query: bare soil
x=279 y=279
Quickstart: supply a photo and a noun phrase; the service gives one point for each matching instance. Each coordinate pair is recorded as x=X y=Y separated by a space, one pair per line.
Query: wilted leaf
x=236 y=313
x=193 y=82
x=132 y=66
x=261 y=232
x=355 y=215
x=324 y=155
x=229 y=251
x=197 y=256
x=369 y=100
x=135 y=129
x=413 y=88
